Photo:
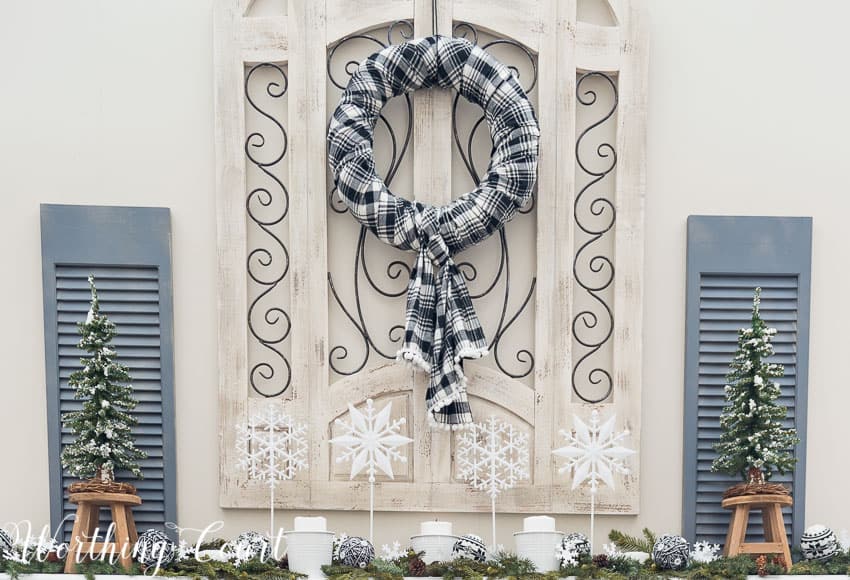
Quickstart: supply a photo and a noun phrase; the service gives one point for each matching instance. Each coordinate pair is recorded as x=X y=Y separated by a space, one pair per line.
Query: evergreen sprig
x=752 y=435
x=629 y=543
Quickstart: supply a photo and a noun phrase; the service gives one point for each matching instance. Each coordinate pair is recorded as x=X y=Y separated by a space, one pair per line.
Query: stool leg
x=131 y=525
x=738 y=531
x=122 y=535
x=778 y=524
x=728 y=543
x=768 y=524
x=80 y=520
x=92 y=522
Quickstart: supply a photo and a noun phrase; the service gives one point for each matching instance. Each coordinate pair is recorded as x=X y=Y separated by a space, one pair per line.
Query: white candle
x=317 y=524
x=538 y=524
x=436 y=528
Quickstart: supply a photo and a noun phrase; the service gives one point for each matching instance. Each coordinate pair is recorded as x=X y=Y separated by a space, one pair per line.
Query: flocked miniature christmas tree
x=753 y=442
x=104 y=441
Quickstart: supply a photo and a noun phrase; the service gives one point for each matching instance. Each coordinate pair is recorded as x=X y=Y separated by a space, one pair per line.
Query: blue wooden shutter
x=727 y=258
x=128 y=250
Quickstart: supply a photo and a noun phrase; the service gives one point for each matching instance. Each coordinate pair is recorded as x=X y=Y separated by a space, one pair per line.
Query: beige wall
x=110 y=102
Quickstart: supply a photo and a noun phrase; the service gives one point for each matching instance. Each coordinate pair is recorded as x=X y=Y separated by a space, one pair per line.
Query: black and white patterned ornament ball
x=250 y=545
x=6 y=542
x=671 y=552
x=576 y=543
x=471 y=547
x=819 y=543
x=356 y=552
x=154 y=547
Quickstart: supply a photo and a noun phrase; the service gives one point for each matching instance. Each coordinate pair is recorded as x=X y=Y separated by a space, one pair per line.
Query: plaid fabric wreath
x=441 y=327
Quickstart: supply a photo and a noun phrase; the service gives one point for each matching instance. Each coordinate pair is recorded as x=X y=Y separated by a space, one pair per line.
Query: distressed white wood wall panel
x=299 y=38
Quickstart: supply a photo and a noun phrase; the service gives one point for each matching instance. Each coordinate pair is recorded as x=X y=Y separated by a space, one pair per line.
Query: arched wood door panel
x=324 y=326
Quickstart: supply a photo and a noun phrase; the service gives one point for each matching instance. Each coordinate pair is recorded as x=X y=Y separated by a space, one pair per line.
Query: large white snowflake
x=371 y=440
x=492 y=456
x=271 y=445
x=594 y=452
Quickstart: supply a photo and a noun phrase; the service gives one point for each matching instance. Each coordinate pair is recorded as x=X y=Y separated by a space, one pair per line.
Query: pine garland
x=104 y=441
x=752 y=438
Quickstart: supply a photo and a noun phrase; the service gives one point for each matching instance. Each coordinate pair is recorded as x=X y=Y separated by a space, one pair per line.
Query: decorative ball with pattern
x=356 y=552
x=819 y=543
x=577 y=543
x=154 y=548
x=671 y=552
x=6 y=542
x=470 y=547
x=250 y=545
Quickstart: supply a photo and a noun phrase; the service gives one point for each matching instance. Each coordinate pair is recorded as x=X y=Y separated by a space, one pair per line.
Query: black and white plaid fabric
x=442 y=328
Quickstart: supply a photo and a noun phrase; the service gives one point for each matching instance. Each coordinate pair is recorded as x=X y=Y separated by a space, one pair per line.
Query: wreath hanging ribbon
x=441 y=327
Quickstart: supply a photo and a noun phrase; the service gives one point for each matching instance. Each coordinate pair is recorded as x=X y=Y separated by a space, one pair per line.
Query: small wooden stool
x=88 y=516
x=776 y=542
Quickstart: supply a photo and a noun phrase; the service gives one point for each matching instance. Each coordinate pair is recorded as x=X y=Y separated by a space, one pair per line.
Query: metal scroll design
x=397 y=269
x=268 y=264
x=593 y=271
x=464 y=145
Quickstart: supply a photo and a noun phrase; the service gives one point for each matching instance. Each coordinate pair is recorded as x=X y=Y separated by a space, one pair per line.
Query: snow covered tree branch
x=753 y=442
x=104 y=441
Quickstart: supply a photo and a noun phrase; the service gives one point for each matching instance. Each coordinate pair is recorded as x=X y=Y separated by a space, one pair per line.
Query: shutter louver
x=129 y=296
x=725 y=306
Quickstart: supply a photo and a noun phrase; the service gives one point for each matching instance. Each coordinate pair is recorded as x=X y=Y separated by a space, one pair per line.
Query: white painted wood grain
x=563 y=46
x=347 y=17
x=229 y=105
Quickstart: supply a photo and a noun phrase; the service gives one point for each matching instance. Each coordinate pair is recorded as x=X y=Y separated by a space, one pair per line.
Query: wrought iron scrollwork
x=523 y=356
x=397 y=270
x=268 y=265
x=592 y=269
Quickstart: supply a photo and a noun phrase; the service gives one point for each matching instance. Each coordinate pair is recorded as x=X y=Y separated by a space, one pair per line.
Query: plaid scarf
x=441 y=327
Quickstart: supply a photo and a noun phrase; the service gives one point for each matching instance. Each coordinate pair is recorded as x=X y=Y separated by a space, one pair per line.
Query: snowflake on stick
x=493 y=457
x=594 y=453
x=371 y=441
x=272 y=447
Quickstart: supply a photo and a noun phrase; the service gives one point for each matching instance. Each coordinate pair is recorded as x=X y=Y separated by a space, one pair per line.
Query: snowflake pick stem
x=371 y=441
x=594 y=453
x=272 y=447
x=493 y=456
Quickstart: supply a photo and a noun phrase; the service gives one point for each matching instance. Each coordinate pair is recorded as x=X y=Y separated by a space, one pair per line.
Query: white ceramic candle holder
x=436 y=540
x=539 y=542
x=436 y=547
x=309 y=547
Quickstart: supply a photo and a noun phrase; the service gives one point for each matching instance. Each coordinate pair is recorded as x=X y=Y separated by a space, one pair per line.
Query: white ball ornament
x=356 y=552
x=471 y=547
x=671 y=552
x=154 y=548
x=819 y=543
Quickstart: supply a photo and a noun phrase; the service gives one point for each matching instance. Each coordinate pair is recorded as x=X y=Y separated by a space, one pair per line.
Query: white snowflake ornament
x=272 y=447
x=705 y=553
x=594 y=453
x=492 y=457
x=371 y=442
x=392 y=553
